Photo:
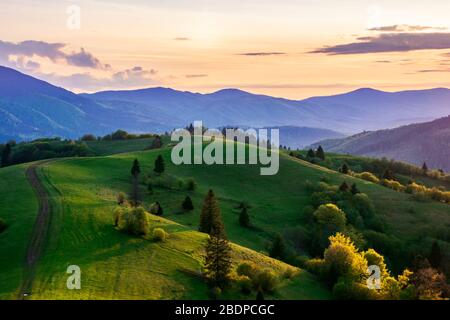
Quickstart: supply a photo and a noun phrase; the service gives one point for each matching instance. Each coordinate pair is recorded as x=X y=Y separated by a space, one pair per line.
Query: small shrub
x=265 y=280
x=159 y=234
x=191 y=185
x=246 y=269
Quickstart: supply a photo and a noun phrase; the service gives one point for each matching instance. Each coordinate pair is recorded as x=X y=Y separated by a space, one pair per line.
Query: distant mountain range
x=416 y=143
x=30 y=108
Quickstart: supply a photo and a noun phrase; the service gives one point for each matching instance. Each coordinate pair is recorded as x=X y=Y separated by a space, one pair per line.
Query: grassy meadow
x=118 y=266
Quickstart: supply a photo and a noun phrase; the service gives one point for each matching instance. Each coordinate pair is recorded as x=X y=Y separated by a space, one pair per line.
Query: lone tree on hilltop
x=211 y=217
x=159 y=165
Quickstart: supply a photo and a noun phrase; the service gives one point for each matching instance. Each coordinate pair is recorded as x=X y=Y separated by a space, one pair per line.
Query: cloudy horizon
x=297 y=50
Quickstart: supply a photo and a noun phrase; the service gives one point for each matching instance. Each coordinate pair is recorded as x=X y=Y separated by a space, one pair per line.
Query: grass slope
x=105 y=148
x=18 y=207
x=118 y=266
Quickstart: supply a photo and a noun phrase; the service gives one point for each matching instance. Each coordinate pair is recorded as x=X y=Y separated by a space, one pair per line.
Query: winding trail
x=40 y=229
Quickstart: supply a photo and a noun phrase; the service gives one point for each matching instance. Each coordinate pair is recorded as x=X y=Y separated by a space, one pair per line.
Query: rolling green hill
x=117 y=266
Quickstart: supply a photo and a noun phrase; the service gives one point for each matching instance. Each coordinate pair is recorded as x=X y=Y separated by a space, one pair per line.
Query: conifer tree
x=344 y=169
x=244 y=218
x=218 y=258
x=187 y=204
x=320 y=153
x=159 y=165
x=311 y=154
x=278 y=248
x=136 y=169
x=354 y=189
x=210 y=217
x=425 y=167
x=344 y=187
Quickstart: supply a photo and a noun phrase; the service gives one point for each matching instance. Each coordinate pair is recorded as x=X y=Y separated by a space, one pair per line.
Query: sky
x=286 y=48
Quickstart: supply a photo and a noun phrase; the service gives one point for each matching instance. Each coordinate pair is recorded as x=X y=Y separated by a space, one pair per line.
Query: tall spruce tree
x=320 y=153
x=135 y=171
x=159 y=165
x=211 y=217
x=425 y=167
x=218 y=259
x=278 y=248
x=244 y=218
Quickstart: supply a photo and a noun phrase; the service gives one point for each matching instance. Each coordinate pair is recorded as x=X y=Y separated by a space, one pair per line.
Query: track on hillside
x=38 y=236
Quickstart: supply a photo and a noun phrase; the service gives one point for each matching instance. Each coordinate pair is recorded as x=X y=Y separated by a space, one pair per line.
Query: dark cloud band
x=392 y=42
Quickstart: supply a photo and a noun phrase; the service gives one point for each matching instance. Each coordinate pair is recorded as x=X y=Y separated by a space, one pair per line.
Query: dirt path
x=39 y=234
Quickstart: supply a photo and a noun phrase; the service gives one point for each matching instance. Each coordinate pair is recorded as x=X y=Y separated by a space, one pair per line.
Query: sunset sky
x=289 y=48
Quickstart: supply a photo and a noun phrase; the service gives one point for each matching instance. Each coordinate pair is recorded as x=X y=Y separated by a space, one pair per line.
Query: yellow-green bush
x=132 y=220
x=367 y=176
x=160 y=234
x=393 y=184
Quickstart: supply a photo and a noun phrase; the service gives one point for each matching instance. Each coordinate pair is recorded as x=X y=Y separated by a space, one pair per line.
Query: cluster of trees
x=117 y=135
x=420 y=191
x=12 y=153
x=313 y=156
x=351 y=274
